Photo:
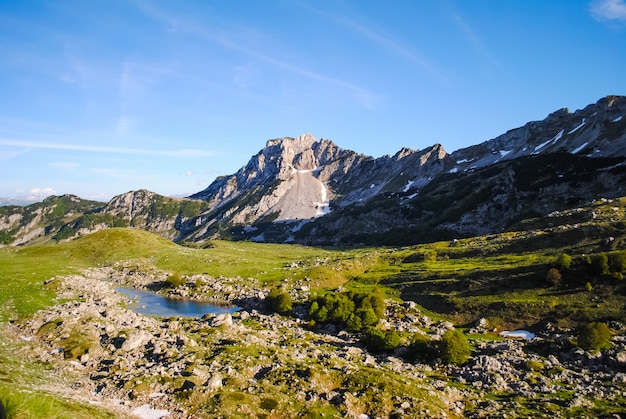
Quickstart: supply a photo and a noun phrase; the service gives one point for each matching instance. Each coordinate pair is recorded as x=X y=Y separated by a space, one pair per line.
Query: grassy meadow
x=501 y=277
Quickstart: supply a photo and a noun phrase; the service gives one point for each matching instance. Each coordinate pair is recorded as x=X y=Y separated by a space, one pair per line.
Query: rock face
x=314 y=192
x=295 y=180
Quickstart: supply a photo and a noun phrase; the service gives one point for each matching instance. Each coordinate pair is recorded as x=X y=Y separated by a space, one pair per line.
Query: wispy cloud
x=183 y=152
x=365 y=97
x=471 y=36
x=608 y=10
x=383 y=40
x=42 y=191
x=233 y=41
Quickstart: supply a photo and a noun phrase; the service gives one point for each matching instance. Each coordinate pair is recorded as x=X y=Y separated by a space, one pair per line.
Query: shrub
x=377 y=340
x=422 y=349
x=564 y=261
x=278 y=301
x=554 y=277
x=594 y=336
x=600 y=264
x=174 y=280
x=617 y=262
x=454 y=348
x=588 y=287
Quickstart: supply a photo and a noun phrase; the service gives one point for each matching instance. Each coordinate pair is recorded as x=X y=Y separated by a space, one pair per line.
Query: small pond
x=152 y=304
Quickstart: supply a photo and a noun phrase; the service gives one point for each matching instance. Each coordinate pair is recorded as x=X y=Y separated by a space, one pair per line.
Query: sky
x=101 y=97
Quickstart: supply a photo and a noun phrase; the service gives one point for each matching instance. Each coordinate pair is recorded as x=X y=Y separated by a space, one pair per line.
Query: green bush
x=594 y=336
x=278 y=301
x=454 y=348
x=353 y=310
x=564 y=261
x=174 y=280
x=377 y=340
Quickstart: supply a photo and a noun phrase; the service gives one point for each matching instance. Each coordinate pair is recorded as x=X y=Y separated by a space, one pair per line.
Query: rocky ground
x=259 y=365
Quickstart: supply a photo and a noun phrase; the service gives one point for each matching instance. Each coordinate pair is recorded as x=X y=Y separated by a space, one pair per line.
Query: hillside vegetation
x=507 y=278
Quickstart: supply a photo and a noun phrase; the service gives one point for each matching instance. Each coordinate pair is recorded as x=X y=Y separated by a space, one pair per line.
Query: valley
x=488 y=282
x=82 y=350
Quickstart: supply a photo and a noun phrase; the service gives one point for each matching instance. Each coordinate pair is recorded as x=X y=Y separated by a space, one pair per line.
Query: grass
x=23 y=388
x=461 y=280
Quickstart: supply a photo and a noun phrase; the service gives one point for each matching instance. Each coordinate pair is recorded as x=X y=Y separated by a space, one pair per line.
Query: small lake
x=152 y=304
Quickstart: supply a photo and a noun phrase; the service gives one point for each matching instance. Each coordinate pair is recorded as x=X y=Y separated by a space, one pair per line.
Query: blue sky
x=105 y=96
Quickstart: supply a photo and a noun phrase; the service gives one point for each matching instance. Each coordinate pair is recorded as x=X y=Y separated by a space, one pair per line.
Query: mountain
x=308 y=191
x=20 y=225
x=312 y=191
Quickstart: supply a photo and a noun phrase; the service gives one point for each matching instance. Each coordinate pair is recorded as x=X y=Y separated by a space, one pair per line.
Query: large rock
x=136 y=341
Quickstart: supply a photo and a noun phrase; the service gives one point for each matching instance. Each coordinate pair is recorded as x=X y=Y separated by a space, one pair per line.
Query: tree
x=554 y=277
x=454 y=348
x=594 y=336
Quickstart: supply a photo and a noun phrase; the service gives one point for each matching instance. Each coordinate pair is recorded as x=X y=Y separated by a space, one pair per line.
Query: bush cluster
x=355 y=311
x=612 y=264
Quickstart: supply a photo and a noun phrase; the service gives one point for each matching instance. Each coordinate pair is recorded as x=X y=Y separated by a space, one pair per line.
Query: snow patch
x=454 y=170
x=463 y=161
x=580 y=148
x=542 y=145
x=578 y=127
x=323 y=207
x=372 y=185
x=558 y=136
x=147 y=412
x=619 y=118
x=407 y=186
x=524 y=334
x=249 y=229
x=259 y=238
x=504 y=153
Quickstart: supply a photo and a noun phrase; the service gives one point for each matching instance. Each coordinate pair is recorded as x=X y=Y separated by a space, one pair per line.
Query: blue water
x=152 y=304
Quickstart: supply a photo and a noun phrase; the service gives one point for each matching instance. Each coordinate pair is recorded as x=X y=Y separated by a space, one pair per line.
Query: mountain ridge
x=313 y=191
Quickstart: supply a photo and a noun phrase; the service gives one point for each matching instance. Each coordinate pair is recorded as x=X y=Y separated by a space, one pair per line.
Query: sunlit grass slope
x=23 y=270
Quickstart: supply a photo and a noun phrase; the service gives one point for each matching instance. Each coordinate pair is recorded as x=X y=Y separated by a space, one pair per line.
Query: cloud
x=65 y=165
x=42 y=192
x=364 y=96
x=471 y=36
x=183 y=152
x=386 y=42
x=603 y=10
x=233 y=40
